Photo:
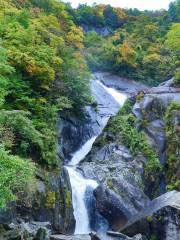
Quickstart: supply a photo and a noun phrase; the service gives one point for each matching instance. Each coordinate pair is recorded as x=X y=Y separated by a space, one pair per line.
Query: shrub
x=15 y=174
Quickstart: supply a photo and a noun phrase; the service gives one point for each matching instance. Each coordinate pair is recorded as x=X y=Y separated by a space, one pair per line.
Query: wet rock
x=168 y=83
x=51 y=202
x=97 y=222
x=119 y=83
x=94 y=236
x=8 y=215
x=111 y=207
x=26 y=231
x=65 y=237
x=75 y=131
x=120 y=195
x=114 y=236
x=161 y=218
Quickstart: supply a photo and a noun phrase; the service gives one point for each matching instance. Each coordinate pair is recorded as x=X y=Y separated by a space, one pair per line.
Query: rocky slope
x=129 y=181
x=135 y=159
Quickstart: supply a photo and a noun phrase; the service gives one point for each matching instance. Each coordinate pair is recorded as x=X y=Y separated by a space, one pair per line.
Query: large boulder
x=161 y=218
x=120 y=194
x=110 y=206
x=50 y=202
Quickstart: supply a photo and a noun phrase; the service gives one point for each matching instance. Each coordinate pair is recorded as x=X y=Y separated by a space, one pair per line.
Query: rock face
x=103 y=31
x=53 y=202
x=29 y=231
x=161 y=218
x=119 y=83
x=74 y=131
x=120 y=195
x=50 y=202
x=65 y=237
x=115 y=236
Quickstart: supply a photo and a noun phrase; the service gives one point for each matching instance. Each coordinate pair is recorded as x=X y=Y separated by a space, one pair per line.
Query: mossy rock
x=50 y=199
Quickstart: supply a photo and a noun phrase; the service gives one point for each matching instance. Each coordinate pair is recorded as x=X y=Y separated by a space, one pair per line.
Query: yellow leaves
x=154 y=49
x=127 y=54
x=150 y=29
x=31 y=68
x=42 y=100
x=6 y=6
x=152 y=58
x=49 y=21
x=120 y=13
x=75 y=37
x=57 y=61
x=56 y=41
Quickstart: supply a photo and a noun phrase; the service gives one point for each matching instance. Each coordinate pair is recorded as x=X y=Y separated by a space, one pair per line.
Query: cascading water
x=79 y=184
x=119 y=97
x=84 y=150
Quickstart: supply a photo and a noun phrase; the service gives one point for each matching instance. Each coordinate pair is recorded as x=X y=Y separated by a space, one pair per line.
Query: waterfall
x=118 y=96
x=79 y=184
x=82 y=152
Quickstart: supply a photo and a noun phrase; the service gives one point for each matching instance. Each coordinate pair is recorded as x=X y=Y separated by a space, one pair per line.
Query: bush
x=15 y=174
x=173 y=149
x=123 y=125
x=176 y=82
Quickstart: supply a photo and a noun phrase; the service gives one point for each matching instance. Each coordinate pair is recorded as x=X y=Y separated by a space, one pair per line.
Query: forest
x=46 y=60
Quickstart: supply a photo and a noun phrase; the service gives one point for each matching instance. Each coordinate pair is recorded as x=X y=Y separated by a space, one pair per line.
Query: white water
x=79 y=186
x=119 y=97
x=78 y=183
x=82 y=152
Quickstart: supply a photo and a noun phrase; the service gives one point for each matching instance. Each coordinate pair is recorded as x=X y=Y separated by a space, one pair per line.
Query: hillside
x=64 y=73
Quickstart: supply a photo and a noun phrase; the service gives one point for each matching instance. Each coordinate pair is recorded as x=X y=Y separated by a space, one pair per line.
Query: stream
x=79 y=184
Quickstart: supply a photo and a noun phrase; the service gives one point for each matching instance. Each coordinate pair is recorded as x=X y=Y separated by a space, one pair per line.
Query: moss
x=68 y=199
x=110 y=183
x=127 y=107
x=149 y=219
x=176 y=81
x=123 y=126
x=50 y=199
x=154 y=237
x=101 y=141
x=139 y=97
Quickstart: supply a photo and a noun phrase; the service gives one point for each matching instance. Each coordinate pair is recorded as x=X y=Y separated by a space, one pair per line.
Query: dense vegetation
x=172 y=119
x=140 y=45
x=42 y=71
x=124 y=127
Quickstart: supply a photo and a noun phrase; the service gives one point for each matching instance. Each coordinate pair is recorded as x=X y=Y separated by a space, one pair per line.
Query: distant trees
x=173 y=43
x=138 y=47
x=100 y=16
x=174 y=11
